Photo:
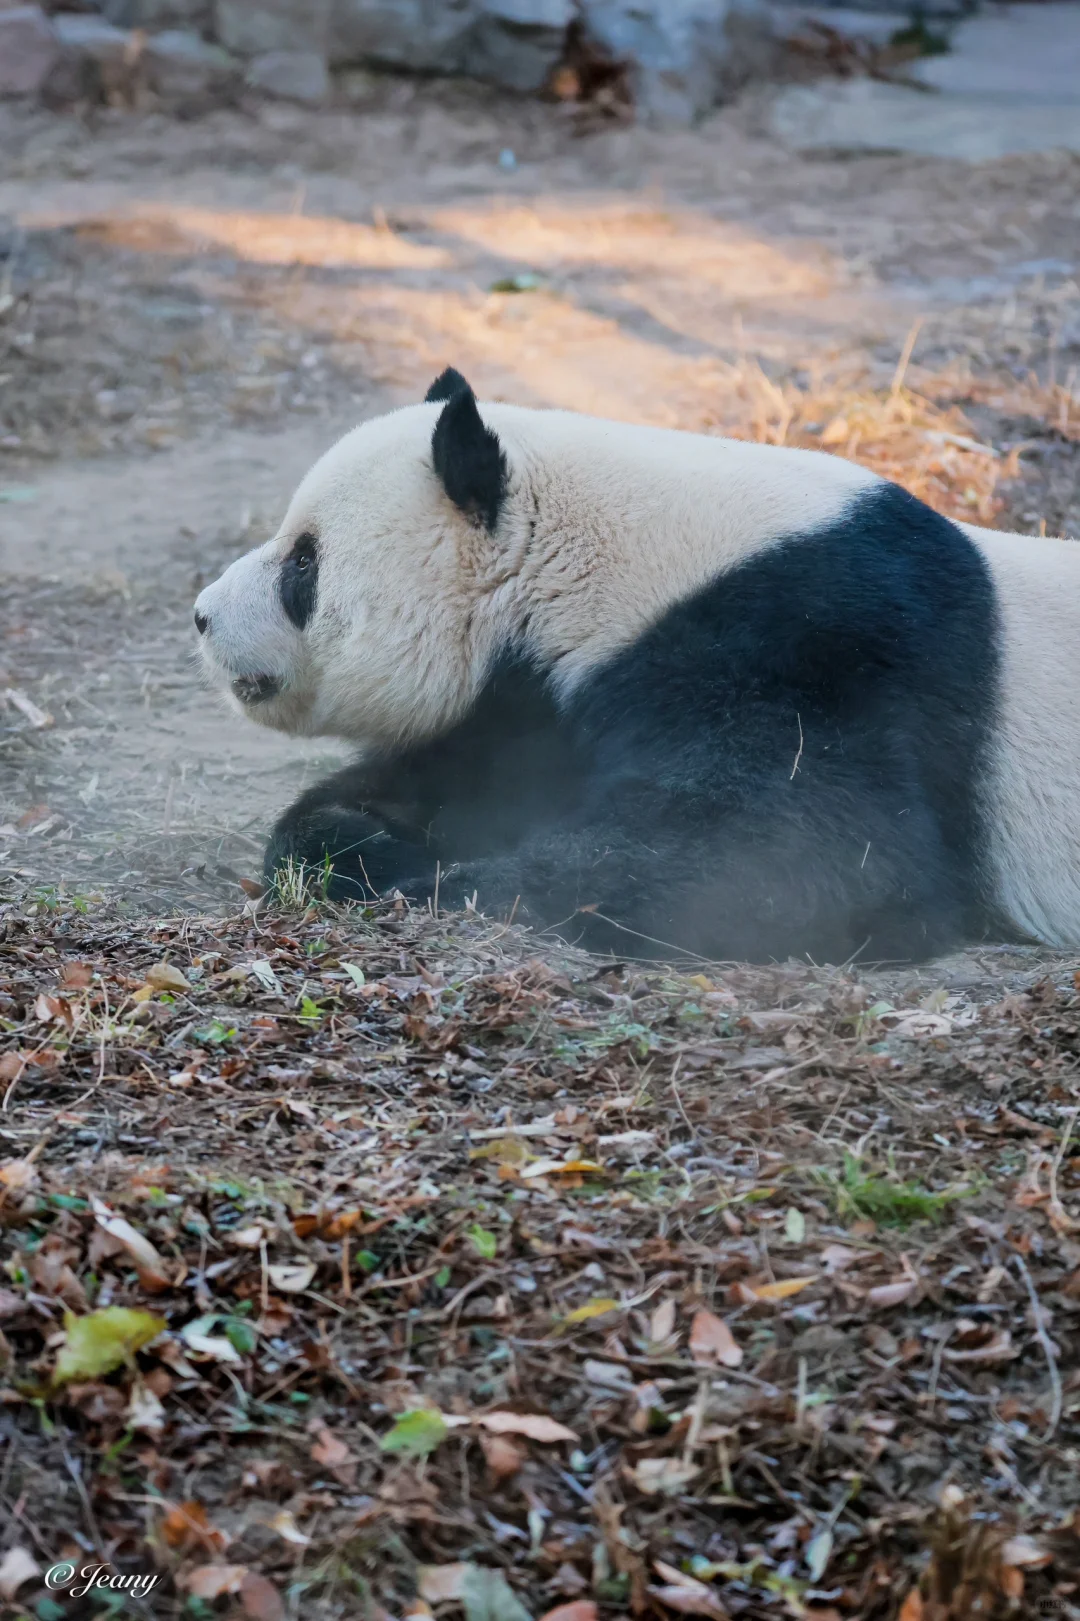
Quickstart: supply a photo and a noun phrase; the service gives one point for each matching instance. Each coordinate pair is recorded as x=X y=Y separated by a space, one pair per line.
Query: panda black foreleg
x=352 y=835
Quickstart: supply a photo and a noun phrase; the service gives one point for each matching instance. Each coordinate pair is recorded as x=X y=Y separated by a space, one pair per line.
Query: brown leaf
x=165 y=976
x=783 y=1289
x=662 y=1322
x=11 y=1066
x=892 y=1294
x=187 y=1525
x=582 y=1609
x=331 y=1451
x=211 y=1581
x=260 y=1599
x=533 y=1425
x=75 y=976
x=148 y=1263
x=17 y=1174
x=53 y=1010
x=711 y=1340
x=912 y=1607
x=440 y=1583
x=502 y=1456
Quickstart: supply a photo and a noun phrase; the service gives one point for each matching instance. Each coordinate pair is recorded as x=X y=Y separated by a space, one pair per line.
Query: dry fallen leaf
x=187 y=1526
x=783 y=1289
x=260 y=1599
x=17 y=1566
x=662 y=1476
x=1024 y=1550
x=145 y=1411
x=211 y=1581
x=438 y=1584
x=17 y=1174
x=711 y=1340
x=148 y=1263
x=580 y=1609
x=284 y=1523
x=331 y=1451
x=292 y=1279
x=533 y=1425
x=892 y=1294
x=912 y=1607
x=503 y=1458
x=163 y=976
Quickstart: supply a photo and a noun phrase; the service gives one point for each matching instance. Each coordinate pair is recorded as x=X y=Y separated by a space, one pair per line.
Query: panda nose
x=201 y=623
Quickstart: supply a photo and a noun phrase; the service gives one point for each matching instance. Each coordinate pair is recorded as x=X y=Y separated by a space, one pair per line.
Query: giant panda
x=662 y=692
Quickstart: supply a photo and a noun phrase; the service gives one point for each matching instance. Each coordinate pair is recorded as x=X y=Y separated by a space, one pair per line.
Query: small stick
x=798 y=756
x=1055 y=1203
x=905 y=358
x=1048 y=1350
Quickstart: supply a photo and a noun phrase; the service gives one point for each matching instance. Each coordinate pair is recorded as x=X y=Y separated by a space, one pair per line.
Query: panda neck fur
x=607 y=525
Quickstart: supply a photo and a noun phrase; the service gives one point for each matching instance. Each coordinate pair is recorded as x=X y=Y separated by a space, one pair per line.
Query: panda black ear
x=446 y=385
x=469 y=458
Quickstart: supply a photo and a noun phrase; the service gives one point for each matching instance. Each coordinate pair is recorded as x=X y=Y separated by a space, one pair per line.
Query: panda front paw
x=349 y=855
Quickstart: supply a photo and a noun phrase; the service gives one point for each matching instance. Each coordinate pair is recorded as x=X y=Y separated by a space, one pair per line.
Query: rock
x=193 y=15
x=518 y=43
x=1017 y=53
x=875 y=27
x=184 y=69
x=420 y=36
x=863 y=115
x=97 y=62
x=684 y=54
x=291 y=76
x=29 y=50
x=257 y=27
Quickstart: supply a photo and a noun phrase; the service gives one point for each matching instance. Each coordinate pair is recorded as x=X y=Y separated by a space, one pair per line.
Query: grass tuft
x=881 y=1197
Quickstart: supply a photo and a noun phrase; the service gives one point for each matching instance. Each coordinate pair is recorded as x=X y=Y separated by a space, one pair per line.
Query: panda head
x=375 y=612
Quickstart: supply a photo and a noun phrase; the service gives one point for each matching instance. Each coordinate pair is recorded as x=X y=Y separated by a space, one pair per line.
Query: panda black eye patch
x=299 y=580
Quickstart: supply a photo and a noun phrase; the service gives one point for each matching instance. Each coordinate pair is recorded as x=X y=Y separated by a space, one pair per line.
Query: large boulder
x=419 y=36
x=255 y=27
x=517 y=43
x=155 y=14
x=513 y=43
x=291 y=76
x=29 y=50
x=98 y=62
x=186 y=71
x=683 y=55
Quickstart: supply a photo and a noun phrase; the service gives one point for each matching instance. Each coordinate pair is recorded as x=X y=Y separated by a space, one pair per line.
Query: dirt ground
x=189 y=313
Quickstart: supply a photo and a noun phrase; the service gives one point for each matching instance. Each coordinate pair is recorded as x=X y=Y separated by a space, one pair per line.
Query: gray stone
x=684 y=54
x=291 y=76
x=927 y=8
x=29 y=50
x=182 y=67
x=875 y=27
x=83 y=34
x=863 y=115
x=255 y=27
x=158 y=14
x=1016 y=52
x=97 y=62
x=517 y=43
x=421 y=36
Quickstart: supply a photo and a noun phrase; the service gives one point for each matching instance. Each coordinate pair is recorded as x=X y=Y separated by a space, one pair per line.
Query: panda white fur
x=662 y=690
